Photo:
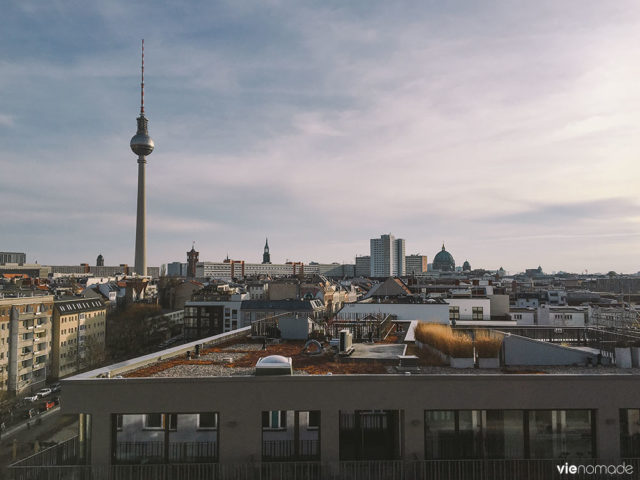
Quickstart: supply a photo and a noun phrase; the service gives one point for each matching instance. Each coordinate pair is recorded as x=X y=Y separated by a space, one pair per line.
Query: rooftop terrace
x=235 y=353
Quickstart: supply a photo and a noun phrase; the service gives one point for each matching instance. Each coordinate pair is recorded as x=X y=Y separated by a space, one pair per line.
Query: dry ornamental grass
x=488 y=346
x=443 y=338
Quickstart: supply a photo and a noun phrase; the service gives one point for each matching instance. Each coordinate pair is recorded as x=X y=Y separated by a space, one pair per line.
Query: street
x=52 y=427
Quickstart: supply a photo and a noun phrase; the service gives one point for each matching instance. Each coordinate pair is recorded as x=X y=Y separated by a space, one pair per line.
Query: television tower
x=142 y=145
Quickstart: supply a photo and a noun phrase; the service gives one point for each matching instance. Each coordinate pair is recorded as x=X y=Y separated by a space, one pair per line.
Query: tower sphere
x=141 y=143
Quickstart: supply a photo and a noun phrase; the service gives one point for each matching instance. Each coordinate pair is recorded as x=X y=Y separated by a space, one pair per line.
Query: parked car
x=43 y=393
x=32 y=398
x=56 y=387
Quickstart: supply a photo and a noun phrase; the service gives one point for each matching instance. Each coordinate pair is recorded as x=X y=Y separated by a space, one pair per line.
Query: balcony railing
x=154 y=452
x=372 y=470
x=285 y=450
x=65 y=453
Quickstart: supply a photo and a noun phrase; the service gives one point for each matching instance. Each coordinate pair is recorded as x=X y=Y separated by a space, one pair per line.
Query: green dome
x=443 y=261
x=466 y=267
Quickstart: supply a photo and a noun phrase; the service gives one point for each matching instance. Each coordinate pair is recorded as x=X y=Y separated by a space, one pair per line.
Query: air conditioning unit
x=346 y=340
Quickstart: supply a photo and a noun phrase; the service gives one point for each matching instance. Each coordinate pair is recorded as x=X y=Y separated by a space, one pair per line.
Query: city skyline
x=509 y=133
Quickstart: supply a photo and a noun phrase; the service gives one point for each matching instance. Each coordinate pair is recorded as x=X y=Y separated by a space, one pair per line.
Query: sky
x=510 y=131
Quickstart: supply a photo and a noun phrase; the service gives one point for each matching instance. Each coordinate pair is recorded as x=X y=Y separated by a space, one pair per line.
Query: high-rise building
x=400 y=259
x=416 y=264
x=363 y=266
x=387 y=256
x=142 y=145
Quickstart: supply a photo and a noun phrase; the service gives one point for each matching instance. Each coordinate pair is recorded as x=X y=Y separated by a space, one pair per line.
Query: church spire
x=266 y=256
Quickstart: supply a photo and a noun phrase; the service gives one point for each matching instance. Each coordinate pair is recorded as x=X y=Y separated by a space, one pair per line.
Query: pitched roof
x=77 y=305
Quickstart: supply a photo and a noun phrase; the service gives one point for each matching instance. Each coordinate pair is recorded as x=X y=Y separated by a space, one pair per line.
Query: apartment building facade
x=79 y=332
x=25 y=342
x=334 y=419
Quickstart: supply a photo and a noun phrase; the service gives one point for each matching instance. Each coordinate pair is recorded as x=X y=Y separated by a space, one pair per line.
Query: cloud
x=608 y=209
x=6 y=120
x=324 y=124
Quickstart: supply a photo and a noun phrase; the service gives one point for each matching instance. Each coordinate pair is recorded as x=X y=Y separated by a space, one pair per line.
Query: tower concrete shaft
x=141 y=219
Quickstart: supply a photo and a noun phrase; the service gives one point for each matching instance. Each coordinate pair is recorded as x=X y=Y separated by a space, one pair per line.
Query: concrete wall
x=241 y=400
x=526 y=351
x=499 y=306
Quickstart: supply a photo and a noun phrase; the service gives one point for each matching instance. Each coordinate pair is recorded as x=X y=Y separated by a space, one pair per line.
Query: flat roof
x=235 y=354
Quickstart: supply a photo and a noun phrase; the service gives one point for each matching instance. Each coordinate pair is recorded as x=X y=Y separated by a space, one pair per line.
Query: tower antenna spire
x=142 y=83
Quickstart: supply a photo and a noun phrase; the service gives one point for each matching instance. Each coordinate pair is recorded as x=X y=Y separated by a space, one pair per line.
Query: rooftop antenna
x=142 y=83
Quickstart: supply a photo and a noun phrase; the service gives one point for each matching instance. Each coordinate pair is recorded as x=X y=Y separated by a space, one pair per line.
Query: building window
x=503 y=434
x=119 y=422
x=207 y=421
x=476 y=313
x=314 y=420
x=172 y=418
x=274 y=419
x=561 y=434
x=153 y=421
x=630 y=433
x=454 y=314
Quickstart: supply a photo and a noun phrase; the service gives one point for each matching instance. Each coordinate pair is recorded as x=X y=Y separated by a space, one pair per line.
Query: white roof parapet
x=135 y=363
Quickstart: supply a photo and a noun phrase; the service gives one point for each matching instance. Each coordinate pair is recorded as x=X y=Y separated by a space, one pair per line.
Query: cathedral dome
x=466 y=266
x=443 y=261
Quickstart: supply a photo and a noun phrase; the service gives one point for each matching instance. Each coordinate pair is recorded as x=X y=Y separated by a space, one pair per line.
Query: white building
x=239 y=269
x=562 y=316
x=551 y=316
x=474 y=308
x=387 y=256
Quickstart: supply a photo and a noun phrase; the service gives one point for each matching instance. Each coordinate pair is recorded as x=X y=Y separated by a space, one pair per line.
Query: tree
x=92 y=353
x=128 y=331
